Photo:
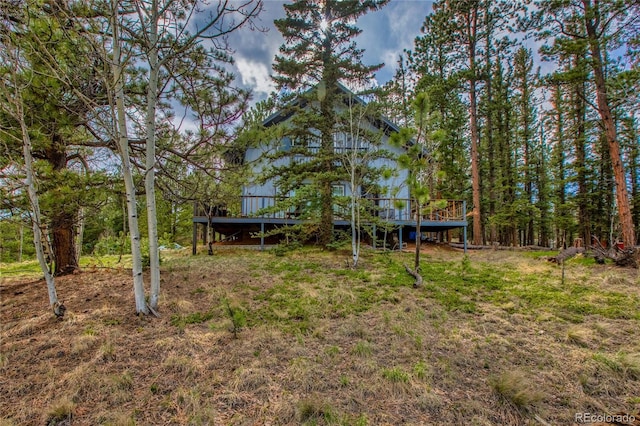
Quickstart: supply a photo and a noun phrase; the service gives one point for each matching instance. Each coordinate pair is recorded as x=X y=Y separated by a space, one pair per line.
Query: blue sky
x=385 y=34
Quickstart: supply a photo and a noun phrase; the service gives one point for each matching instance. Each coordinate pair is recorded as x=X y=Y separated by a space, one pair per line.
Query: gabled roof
x=284 y=114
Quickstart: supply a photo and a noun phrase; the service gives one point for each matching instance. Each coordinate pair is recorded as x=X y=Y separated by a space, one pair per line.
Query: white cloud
x=388 y=32
x=255 y=75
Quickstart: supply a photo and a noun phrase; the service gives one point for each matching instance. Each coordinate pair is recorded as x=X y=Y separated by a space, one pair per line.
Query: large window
x=339 y=206
x=343 y=143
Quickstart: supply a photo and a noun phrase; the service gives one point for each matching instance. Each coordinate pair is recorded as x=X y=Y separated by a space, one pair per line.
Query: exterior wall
x=393 y=188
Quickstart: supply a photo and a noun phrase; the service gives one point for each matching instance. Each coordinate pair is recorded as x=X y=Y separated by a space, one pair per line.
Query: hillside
x=250 y=338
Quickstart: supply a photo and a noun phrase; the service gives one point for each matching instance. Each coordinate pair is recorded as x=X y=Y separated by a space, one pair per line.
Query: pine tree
x=506 y=157
x=319 y=50
x=598 y=26
x=12 y=86
x=523 y=102
x=563 y=217
x=421 y=145
x=433 y=65
x=467 y=15
x=631 y=137
x=395 y=96
x=56 y=119
x=543 y=184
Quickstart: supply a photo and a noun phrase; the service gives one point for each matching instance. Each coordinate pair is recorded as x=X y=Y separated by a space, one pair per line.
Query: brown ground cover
x=491 y=339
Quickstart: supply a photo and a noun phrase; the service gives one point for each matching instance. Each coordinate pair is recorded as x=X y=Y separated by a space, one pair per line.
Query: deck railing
x=398 y=209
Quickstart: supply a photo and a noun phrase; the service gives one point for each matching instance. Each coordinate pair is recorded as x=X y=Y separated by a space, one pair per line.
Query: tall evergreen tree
x=558 y=161
x=55 y=117
x=467 y=16
x=506 y=154
x=319 y=50
x=598 y=26
x=395 y=96
x=631 y=137
x=525 y=82
x=543 y=184
x=433 y=64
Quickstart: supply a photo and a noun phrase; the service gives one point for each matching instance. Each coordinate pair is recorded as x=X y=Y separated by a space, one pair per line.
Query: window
x=338 y=190
x=344 y=143
x=285 y=144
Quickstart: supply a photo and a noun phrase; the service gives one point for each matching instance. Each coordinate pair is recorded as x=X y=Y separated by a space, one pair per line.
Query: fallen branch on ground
x=415 y=275
x=566 y=254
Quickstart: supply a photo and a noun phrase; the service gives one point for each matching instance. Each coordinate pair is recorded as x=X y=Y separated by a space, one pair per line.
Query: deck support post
x=261 y=236
x=374 y=235
x=194 y=240
x=464 y=217
x=400 y=237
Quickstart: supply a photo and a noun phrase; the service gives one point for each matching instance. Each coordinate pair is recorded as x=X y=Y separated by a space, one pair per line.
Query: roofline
x=278 y=116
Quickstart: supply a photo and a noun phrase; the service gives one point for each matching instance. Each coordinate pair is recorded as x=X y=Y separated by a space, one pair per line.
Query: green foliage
x=310 y=411
x=420 y=157
x=317 y=52
x=341 y=240
x=16 y=241
x=146 y=258
x=363 y=349
x=181 y=321
x=421 y=370
x=237 y=315
x=111 y=245
x=286 y=247
x=395 y=375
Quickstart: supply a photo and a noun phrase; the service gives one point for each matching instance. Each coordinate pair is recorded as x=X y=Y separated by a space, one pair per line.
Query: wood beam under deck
x=453 y=216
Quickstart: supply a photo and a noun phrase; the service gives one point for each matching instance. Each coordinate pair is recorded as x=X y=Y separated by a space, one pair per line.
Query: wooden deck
x=442 y=213
x=258 y=213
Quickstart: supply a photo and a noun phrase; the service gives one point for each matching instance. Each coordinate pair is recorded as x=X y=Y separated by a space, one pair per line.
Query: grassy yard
x=250 y=337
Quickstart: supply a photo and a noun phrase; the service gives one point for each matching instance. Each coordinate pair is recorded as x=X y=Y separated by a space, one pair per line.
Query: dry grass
x=517 y=389
x=494 y=339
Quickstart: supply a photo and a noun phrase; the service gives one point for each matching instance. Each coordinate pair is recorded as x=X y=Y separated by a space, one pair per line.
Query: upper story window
x=344 y=143
x=285 y=144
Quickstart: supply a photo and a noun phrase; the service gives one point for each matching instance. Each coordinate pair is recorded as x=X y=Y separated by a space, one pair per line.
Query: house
x=262 y=204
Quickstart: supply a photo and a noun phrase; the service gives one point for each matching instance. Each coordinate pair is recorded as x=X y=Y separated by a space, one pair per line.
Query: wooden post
x=400 y=237
x=261 y=236
x=464 y=217
x=373 y=242
x=194 y=240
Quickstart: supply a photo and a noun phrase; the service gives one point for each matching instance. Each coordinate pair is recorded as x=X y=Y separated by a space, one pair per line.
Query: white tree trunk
x=80 y=233
x=15 y=108
x=354 y=161
x=117 y=69
x=35 y=209
x=149 y=180
x=355 y=241
x=355 y=208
